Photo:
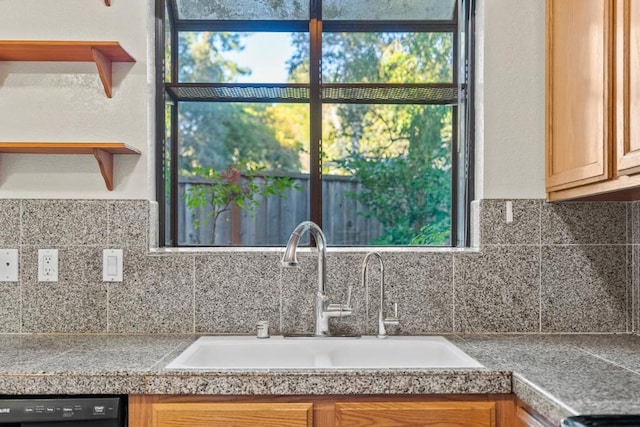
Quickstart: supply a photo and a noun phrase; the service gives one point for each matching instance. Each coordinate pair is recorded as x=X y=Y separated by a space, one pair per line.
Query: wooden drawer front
x=232 y=414
x=454 y=414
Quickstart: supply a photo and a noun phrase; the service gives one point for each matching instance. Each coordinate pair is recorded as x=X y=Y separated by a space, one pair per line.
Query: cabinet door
x=579 y=91
x=459 y=414
x=628 y=85
x=232 y=414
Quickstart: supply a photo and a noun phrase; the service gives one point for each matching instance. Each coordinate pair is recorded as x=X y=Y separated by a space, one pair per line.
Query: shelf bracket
x=105 y=161
x=104 y=70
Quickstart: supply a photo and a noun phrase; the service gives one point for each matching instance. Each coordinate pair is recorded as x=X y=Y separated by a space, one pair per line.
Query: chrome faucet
x=383 y=321
x=324 y=310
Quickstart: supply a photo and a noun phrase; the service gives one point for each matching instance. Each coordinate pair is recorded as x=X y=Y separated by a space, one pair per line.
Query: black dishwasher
x=602 y=421
x=67 y=411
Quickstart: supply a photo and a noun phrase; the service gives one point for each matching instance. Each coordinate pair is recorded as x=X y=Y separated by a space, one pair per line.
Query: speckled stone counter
x=561 y=375
x=558 y=375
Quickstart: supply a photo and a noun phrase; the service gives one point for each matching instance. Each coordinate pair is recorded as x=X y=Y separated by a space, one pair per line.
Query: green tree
x=219 y=135
x=224 y=189
x=232 y=147
x=400 y=154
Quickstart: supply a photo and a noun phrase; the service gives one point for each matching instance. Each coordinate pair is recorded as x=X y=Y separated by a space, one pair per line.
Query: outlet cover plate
x=47 y=265
x=8 y=265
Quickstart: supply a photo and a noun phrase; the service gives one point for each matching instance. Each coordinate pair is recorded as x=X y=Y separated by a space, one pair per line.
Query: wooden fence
x=273 y=222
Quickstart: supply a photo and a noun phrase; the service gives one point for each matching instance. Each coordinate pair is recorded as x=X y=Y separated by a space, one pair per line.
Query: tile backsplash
x=571 y=267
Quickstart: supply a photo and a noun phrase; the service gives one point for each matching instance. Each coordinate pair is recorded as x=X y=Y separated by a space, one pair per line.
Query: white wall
x=65 y=102
x=510 y=95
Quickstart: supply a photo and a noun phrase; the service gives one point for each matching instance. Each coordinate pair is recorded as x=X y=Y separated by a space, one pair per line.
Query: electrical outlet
x=47 y=265
x=8 y=265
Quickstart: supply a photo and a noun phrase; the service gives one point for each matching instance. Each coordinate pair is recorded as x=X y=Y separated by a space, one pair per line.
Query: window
x=350 y=114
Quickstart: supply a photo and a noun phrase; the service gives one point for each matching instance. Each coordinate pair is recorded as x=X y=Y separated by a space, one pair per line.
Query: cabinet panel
x=628 y=85
x=458 y=414
x=232 y=414
x=579 y=64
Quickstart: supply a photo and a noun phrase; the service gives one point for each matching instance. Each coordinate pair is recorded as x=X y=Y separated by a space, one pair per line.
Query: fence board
x=272 y=223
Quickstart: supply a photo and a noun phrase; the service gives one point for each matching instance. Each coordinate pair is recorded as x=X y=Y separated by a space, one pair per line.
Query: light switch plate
x=8 y=265
x=509 y=212
x=112 y=265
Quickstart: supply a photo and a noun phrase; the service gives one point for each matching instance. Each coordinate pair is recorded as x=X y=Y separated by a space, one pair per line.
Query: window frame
x=462 y=184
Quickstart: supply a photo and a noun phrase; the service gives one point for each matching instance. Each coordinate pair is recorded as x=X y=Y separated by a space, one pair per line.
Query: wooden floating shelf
x=102 y=53
x=102 y=151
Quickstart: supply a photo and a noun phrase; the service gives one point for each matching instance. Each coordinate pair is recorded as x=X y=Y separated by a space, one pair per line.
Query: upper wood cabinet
x=628 y=86
x=593 y=96
x=578 y=87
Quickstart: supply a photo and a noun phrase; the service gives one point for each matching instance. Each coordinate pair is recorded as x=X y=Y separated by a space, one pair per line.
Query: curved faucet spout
x=383 y=321
x=323 y=310
x=290 y=259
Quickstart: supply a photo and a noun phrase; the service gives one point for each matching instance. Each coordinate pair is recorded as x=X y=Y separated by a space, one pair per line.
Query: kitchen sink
x=243 y=352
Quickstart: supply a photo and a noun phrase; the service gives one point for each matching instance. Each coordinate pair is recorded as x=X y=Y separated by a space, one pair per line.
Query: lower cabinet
x=323 y=411
x=462 y=414
x=231 y=414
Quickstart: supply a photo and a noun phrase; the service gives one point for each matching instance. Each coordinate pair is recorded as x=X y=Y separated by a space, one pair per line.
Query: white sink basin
x=211 y=353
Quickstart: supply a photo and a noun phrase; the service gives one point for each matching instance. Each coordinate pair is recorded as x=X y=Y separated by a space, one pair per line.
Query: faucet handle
x=393 y=320
x=340 y=310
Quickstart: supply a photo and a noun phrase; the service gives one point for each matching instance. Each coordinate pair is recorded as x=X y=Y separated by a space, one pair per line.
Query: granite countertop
x=558 y=375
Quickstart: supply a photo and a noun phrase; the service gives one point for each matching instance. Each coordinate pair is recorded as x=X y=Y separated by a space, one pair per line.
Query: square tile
x=497 y=290
x=10 y=307
x=543 y=403
x=9 y=223
x=334 y=383
x=57 y=223
x=629 y=287
x=76 y=303
x=25 y=353
x=84 y=384
x=298 y=289
x=524 y=230
x=474 y=226
x=11 y=384
x=234 y=291
x=635 y=288
x=211 y=384
x=156 y=296
x=422 y=285
x=128 y=223
x=584 y=289
x=451 y=382
x=88 y=354
x=154 y=224
x=344 y=270
x=634 y=223
x=300 y=286
x=584 y=223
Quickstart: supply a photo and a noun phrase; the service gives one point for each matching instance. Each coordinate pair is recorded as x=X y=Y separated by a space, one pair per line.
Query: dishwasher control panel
x=59 y=409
